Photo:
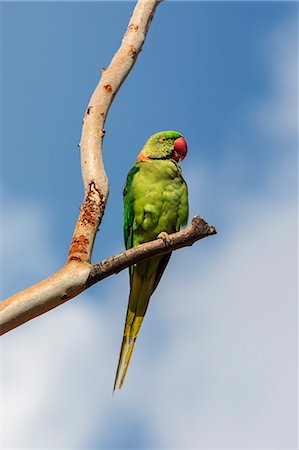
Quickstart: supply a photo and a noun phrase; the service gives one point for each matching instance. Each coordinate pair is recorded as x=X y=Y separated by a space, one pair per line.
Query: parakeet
x=155 y=201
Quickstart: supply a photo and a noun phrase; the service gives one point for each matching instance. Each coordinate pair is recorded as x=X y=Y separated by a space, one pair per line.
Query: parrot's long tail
x=141 y=290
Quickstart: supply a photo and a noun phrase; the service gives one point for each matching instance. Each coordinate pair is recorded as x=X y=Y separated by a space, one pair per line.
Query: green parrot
x=155 y=201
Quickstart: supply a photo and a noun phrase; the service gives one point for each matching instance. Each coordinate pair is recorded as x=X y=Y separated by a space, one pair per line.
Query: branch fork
x=78 y=273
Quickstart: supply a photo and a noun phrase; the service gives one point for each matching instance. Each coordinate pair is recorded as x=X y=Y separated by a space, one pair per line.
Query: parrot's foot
x=165 y=237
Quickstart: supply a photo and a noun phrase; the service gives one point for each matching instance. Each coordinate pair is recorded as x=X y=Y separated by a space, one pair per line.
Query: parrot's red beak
x=180 y=149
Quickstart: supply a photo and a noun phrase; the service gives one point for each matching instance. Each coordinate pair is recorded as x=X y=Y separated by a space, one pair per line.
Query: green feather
x=128 y=208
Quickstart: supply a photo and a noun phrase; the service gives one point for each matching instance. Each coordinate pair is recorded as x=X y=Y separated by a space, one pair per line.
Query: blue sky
x=215 y=365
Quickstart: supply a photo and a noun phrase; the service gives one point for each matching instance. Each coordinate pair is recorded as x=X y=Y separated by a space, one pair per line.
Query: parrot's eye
x=162 y=139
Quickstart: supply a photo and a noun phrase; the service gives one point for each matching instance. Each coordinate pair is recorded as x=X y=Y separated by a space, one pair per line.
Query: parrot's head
x=164 y=145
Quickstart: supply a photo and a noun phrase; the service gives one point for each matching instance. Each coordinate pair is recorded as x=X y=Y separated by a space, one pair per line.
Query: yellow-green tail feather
x=141 y=290
x=127 y=361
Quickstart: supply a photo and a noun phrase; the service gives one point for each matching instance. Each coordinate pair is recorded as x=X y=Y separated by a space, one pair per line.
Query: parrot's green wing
x=129 y=212
x=129 y=208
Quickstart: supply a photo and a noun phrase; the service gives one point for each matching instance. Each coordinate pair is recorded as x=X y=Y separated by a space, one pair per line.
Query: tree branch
x=74 y=278
x=78 y=274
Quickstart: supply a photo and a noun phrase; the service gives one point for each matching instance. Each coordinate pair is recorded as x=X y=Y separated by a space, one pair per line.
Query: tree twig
x=74 y=278
x=198 y=229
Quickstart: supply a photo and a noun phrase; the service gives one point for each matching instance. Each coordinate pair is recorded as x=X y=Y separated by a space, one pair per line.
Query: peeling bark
x=91 y=213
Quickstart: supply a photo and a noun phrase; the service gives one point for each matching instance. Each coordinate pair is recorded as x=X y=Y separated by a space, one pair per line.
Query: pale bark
x=78 y=274
x=44 y=296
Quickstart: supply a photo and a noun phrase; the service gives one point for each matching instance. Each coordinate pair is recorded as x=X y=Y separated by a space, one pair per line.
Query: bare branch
x=198 y=229
x=74 y=278
x=78 y=274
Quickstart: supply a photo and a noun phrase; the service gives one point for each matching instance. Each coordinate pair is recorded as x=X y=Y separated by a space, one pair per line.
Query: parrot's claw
x=165 y=237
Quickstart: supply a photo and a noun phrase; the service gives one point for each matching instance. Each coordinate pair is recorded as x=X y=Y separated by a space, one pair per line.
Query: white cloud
x=232 y=361
x=55 y=378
